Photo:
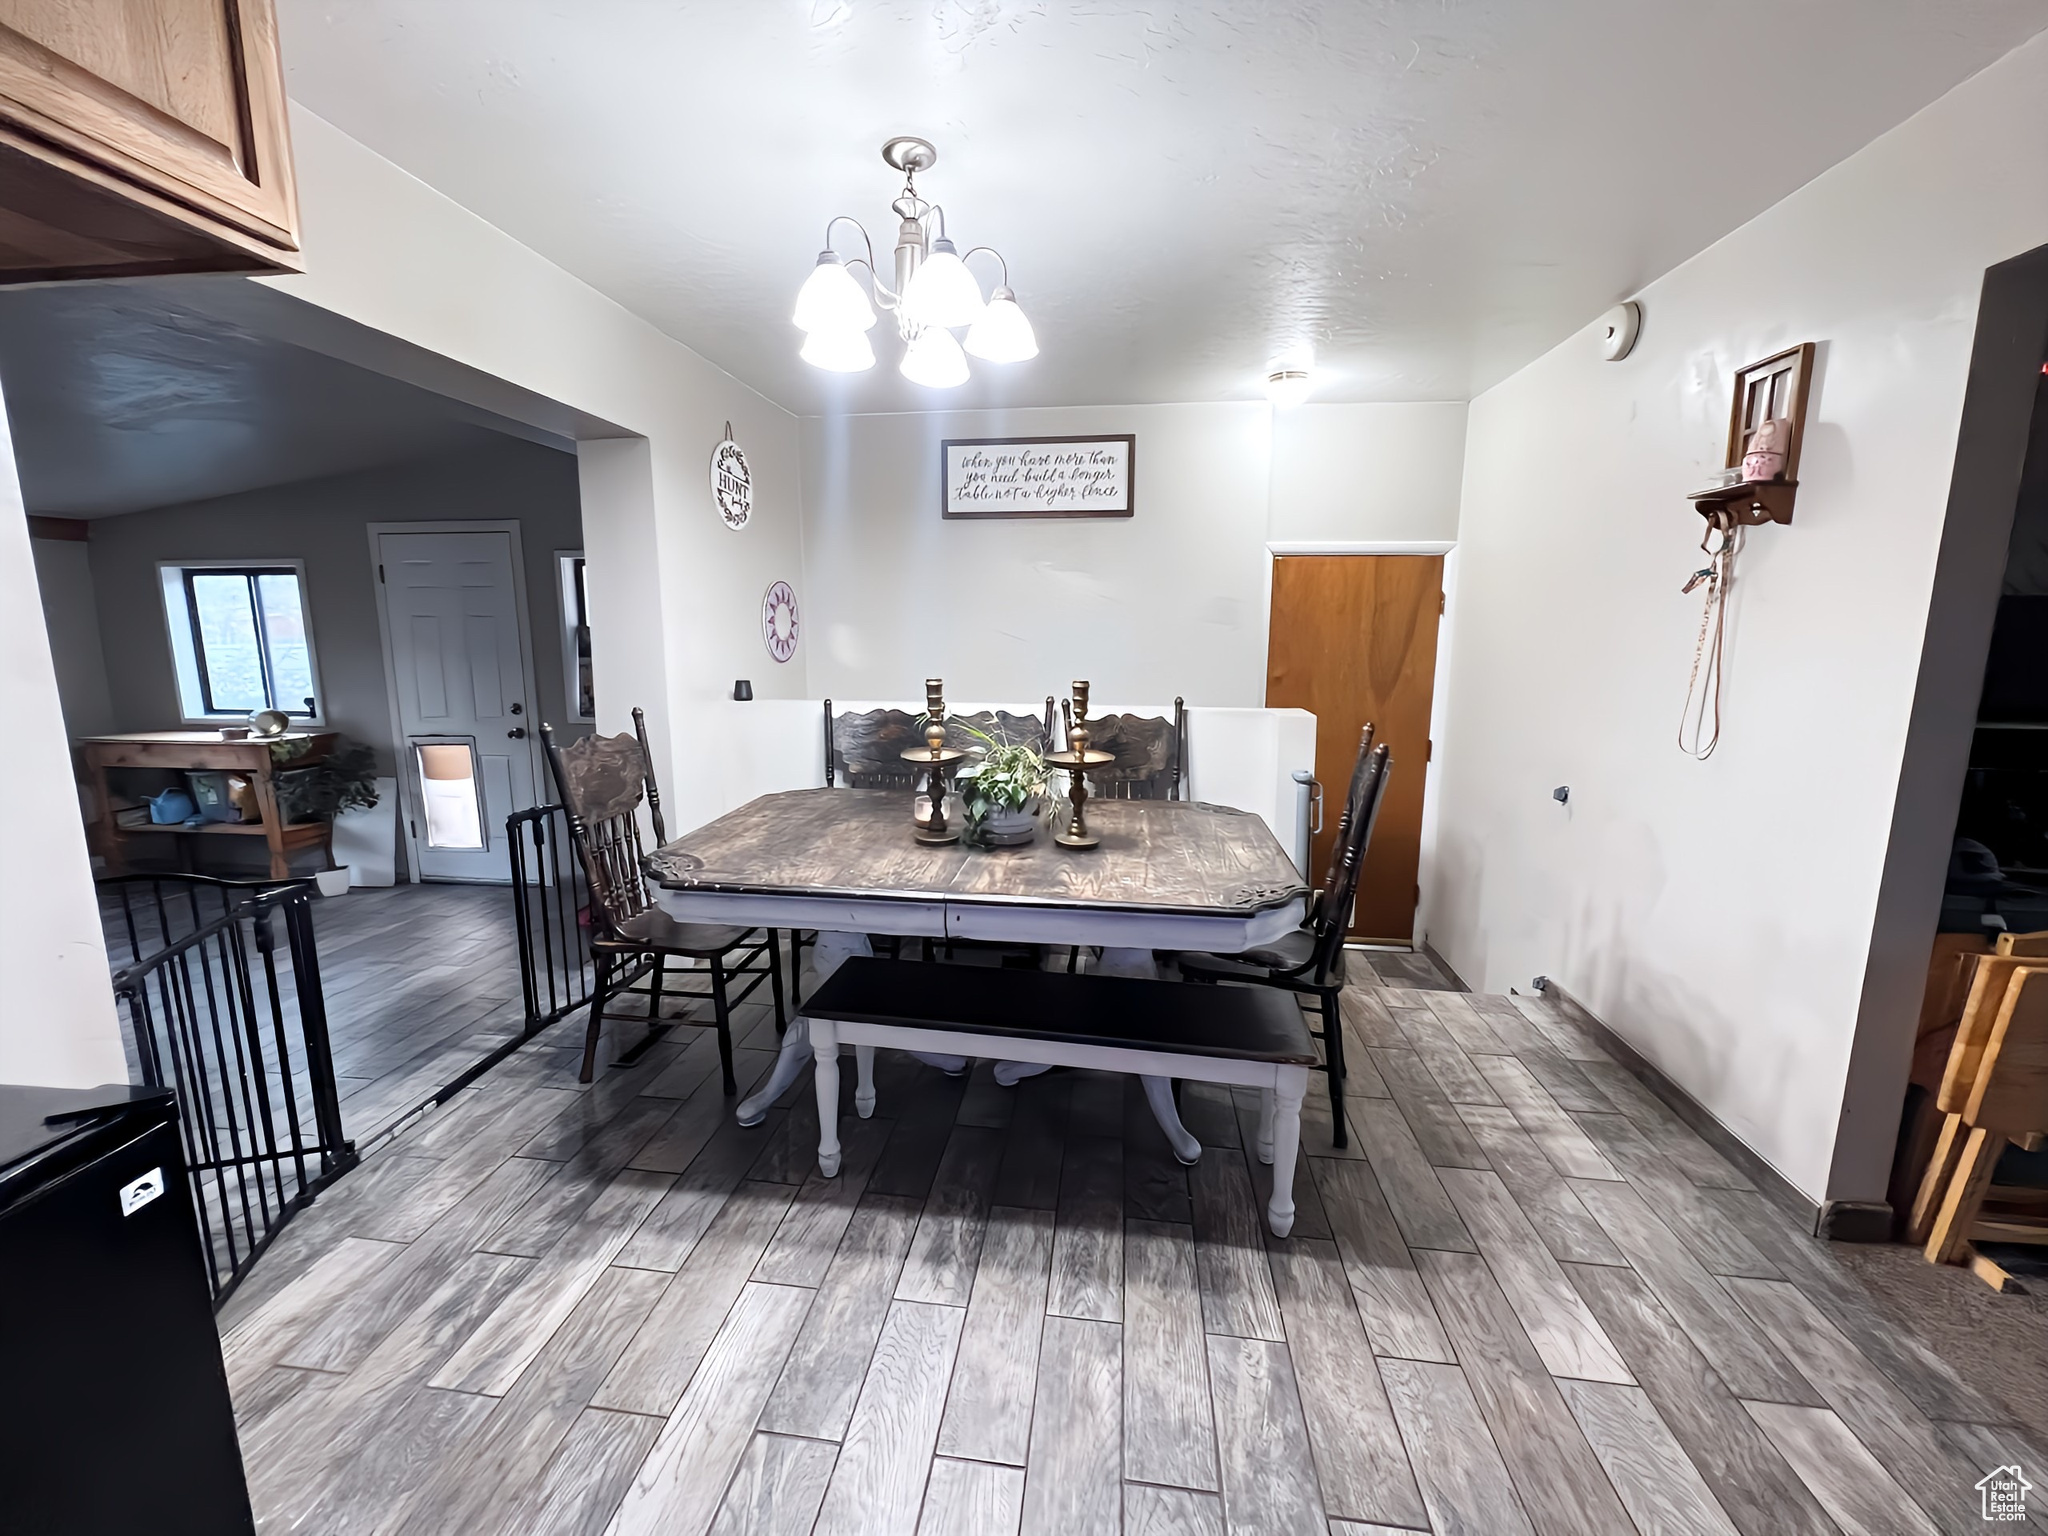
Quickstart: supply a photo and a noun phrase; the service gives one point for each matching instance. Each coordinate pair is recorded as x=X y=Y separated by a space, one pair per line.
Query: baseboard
x=1437 y=960
x=1857 y=1220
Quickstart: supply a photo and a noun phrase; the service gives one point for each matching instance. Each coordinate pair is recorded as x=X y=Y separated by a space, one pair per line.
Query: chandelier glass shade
x=831 y=299
x=839 y=351
x=934 y=359
x=1002 y=334
x=934 y=294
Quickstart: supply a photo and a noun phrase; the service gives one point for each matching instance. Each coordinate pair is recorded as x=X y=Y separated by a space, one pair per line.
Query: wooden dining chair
x=1148 y=753
x=601 y=781
x=864 y=750
x=1310 y=960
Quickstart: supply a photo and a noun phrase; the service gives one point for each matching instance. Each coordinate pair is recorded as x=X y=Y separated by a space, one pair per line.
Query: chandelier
x=935 y=295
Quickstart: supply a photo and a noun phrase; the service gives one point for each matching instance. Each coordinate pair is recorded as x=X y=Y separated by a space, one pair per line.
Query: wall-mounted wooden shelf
x=1749 y=502
x=1774 y=389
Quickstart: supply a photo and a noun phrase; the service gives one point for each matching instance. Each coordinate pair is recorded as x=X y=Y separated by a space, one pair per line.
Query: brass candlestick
x=934 y=762
x=1077 y=760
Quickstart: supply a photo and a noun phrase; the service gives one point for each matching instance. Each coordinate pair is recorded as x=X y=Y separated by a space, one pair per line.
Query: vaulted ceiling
x=120 y=397
x=1428 y=192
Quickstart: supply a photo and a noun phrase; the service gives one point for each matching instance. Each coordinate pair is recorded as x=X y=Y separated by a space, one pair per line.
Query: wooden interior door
x=1353 y=639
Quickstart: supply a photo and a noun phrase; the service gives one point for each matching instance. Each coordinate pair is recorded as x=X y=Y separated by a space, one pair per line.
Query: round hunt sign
x=778 y=621
x=732 y=486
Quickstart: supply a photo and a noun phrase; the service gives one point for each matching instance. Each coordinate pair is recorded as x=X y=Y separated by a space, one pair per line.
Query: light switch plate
x=143 y=1190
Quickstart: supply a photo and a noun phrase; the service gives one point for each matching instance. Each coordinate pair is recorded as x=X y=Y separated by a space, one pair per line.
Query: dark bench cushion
x=1242 y=1023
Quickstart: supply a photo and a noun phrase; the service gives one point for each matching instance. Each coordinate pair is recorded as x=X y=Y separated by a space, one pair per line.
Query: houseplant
x=1002 y=791
x=344 y=780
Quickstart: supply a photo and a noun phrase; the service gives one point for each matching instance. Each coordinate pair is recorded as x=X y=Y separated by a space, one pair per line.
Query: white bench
x=1160 y=1029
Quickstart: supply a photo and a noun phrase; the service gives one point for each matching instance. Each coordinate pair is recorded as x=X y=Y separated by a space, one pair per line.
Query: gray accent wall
x=71 y=614
x=325 y=524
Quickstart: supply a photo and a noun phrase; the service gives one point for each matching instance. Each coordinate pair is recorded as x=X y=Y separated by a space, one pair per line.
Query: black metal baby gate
x=549 y=895
x=220 y=996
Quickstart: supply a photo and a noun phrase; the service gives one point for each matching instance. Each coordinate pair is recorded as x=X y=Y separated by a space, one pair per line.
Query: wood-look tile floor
x=1525 y=1299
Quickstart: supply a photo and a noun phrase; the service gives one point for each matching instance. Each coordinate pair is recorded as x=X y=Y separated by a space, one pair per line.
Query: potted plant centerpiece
x=1002 y=791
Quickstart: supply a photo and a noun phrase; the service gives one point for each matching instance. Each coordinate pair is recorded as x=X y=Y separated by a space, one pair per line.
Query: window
x=239 y=639
x=576 y=678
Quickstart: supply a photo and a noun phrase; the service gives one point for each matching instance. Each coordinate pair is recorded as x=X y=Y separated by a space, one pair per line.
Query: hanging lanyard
x=1699 y=725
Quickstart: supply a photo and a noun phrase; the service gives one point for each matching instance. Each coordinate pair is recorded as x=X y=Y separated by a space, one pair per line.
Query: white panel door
x=458 y=660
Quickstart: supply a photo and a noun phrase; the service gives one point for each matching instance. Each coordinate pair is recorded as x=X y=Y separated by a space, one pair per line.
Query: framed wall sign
x=732 y=483
x=1038 y=476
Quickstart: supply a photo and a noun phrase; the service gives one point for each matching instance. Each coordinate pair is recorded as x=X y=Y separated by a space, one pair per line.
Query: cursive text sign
x=1038 y=476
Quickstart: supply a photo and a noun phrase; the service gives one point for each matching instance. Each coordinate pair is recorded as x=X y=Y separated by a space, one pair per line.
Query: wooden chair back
x=1149 y=752
x=1333 y=912
x=864 y=749
x=653 y=791
x=1003 y=725
x=601 y=780
x=1348 y=812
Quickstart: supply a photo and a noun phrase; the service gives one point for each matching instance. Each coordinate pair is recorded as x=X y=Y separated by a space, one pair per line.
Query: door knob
x=517 y=733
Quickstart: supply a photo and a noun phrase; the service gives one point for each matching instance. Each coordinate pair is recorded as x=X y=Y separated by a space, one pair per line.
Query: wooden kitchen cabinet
x=141 y=137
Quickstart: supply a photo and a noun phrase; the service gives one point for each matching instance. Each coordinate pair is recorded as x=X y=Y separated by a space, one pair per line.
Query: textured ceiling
x=1429 y=192
x=121 y=399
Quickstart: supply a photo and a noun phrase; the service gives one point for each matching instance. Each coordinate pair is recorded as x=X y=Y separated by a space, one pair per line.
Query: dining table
x=847 y=864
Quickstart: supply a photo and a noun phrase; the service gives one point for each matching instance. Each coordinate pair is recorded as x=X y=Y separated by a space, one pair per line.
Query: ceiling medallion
x=934 y=296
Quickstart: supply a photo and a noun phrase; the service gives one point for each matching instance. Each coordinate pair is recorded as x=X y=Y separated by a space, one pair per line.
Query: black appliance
x=114 y=1411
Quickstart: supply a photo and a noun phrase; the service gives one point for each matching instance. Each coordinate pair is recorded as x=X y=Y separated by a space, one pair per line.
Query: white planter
x=366 y=839
x=1010 y=828
x=332 y=882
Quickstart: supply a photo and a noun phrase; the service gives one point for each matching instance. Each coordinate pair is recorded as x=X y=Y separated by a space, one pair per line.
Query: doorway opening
x=206 y=491
x=1353 y=639
x=1968 y=1182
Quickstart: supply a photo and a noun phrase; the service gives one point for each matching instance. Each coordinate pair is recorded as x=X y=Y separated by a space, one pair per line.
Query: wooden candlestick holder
x=1077 y=760
x=934 y=761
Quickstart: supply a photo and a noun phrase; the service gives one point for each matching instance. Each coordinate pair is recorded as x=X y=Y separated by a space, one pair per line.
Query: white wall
x=1172 y=601
x=58 y=1025
x=1720 y=915
x=71 y=617
x=1373 y=472
x=675 y=596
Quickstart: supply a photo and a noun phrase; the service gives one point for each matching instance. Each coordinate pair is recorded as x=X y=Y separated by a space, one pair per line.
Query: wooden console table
x=205 y=750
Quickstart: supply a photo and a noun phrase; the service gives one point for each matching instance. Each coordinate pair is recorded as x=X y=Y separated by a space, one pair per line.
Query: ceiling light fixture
x=935 y=294
x=1286 y=386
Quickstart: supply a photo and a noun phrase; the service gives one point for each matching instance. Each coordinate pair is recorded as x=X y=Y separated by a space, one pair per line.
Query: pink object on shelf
x=1765 y=459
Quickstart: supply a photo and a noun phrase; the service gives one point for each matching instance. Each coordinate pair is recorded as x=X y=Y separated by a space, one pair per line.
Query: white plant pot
x=366 y=839
x=332 y=882
x=1011 y=827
